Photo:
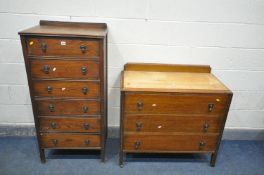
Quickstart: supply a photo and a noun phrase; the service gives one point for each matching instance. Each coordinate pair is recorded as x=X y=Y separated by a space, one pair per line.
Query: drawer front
x=175 y=104
x=181 y=143
x=66 y=89
x=69 y=107
x=65 y=69
x=169 y=123
x=63 y=124
x=54 y=140
x=63 y=47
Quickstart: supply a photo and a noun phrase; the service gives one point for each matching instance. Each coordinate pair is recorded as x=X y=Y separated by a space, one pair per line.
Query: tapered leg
x=121 y=159
x=42 y=155
x=213 y=159
x=103 y=155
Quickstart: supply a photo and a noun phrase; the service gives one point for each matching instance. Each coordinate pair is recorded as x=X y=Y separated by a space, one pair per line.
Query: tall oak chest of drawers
x=66 y=66
x=171 y=109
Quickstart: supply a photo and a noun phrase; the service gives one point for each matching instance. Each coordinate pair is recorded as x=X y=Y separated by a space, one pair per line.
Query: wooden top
x=170 y=78
x=57 y=28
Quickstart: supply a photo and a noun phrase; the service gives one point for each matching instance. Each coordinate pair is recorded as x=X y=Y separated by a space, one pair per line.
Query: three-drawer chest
x=66 y=66
x=171 y=109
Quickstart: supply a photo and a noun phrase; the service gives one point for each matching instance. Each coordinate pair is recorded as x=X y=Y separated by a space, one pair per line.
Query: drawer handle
x=53 y=125
x=84 y=70
x=205 y=127
x=87 y=142
x=85 y=90
x=137 y=145
x=83 y=48
x=140 y=105
x=43 y=47
x=51 y=108
x=85 y=109
x=86 y=126
x=202 y=145
x=46 y=69
x=49 y=89
x=210 y=107
x=138 y=126
x=55 y=141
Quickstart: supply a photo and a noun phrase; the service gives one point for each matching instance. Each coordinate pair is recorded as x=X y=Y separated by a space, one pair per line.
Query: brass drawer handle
x=210 y=107
x=202 y=145
x=85 y=90
x=205 y=127
x=87 y=142
x=140 y=105
x=137 y=144
x=51 y=108
x=46 y=69
x=86 y=126
x=55 y=142
x=53 y=125
x=84 y=70
x=43 y=47
x=85 y=109
x=138 y=126
x=83 y=48
x=49 y=89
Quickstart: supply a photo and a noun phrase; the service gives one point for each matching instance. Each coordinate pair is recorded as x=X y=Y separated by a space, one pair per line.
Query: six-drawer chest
x=171 y=109
x=66 y=65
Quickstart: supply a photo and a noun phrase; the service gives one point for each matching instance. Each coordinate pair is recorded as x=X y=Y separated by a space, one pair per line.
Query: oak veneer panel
x=74 y=124
x=68 y=107
x=66 y=89
x=171 y=82
x=58 y=28
x=62 y=47
x=172 y=123
x=177 y=143
x=64 y=69
x=152 y=67
x=174 y=103
x=63 y=140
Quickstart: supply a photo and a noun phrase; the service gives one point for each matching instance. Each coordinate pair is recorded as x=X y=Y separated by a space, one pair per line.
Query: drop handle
x=86 y=126
x=84 y=70
x=202 y=145
x=205 y=127
x=85 y=90
x=43 y=47
x=210 y=107
x=46 y=69
x=138 y=126
x=49 y=89
x=55 y=142
x=53 y=125
x=140 y=105
x=83 y=48
x=51 y=108
x=85 y=109
x=137 y=145
x=87 y=142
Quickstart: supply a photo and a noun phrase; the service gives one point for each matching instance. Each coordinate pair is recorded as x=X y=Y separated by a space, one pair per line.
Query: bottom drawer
x=74 y=124
x=53 y=140
x=163 y=143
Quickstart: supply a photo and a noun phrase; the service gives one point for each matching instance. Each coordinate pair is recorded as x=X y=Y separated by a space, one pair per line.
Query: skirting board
x=113 y=132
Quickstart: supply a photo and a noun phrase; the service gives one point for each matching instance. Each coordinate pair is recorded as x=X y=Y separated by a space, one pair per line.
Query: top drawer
x=63 y=47
x=167 y=103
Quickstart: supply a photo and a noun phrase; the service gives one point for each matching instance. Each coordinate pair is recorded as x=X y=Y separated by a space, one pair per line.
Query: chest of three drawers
x=67 y=76
x=171 y=109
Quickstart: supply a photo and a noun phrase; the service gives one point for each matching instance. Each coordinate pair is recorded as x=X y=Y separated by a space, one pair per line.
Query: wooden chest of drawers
x=171 y=109
x=67 y=75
